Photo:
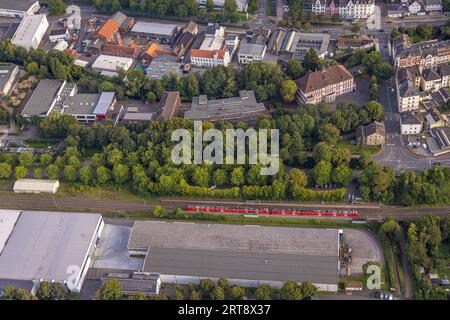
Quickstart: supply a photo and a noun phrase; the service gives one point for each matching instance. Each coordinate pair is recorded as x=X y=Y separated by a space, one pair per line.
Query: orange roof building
x=152 y=52
x=107 y=30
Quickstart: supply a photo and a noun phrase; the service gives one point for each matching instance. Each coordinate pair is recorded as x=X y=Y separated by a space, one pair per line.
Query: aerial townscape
x=224 y=150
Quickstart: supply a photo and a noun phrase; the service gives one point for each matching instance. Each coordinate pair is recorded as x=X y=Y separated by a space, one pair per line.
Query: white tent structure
x=36 y=186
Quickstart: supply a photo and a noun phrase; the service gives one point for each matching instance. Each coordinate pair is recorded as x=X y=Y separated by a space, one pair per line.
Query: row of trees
x=431 y=186
x=46 y=291
x=428 y=240
x=209 y=290
x=423 y=32
x=177 y=8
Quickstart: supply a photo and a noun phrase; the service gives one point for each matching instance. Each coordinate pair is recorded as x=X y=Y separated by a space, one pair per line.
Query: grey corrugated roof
x=5 y=73
x=44 y=244
x=238 y=251
x=228 y=109
x=81 y=103
x=42 y=97
x=243 y=265
x=21 y=5
x=251 y=48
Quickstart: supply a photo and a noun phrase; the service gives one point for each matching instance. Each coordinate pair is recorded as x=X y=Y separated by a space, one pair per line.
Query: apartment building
x=348 y=9
x=428 y=54
x=325 y=85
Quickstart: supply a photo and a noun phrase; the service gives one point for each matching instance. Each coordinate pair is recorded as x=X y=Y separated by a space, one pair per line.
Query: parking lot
x=364 y=248
x=112 y=252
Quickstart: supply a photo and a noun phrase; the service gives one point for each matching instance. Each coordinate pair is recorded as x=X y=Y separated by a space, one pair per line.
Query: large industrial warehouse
x=50 y=246
x=246 y=255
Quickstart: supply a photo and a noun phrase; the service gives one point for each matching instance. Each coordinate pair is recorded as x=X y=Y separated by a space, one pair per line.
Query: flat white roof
x=8 y=219
x=154 y=28
x=36 y=185
x=27 y=29
x=212 y=43
x=43 y=245
x=111 y=63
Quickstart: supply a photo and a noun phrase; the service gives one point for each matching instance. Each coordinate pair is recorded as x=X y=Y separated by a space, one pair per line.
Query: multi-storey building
x=428 y=54
x=325 y=85
x=348 y=9
x=209 y=58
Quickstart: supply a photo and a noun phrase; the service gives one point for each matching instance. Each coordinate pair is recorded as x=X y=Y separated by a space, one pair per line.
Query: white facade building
x=30 y=32
x=433 y=5
x=209 y=58
x=410 y=124
x=414 y=7
x=249 y=52
x=18 y=8
x=348 y=9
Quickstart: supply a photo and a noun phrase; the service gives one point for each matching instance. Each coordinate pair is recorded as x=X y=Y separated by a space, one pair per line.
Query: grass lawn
x=40 y=143
x=354 y=149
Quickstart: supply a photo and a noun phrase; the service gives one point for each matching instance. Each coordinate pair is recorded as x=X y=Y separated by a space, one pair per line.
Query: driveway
x=112 y=252
x=365 y=247
x=374 y=21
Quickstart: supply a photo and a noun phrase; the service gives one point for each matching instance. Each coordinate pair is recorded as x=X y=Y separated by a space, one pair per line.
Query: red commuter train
x=292 y=212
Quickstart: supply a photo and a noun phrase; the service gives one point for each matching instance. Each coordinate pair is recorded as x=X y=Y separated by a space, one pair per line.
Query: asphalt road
x=49 y=202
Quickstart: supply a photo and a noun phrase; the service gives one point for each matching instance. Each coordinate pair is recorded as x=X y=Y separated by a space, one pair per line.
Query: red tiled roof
x=107 y=30
x=207 y=53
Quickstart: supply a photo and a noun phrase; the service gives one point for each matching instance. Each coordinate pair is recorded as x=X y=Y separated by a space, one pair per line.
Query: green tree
x=217 y=294
x=5 y=170
x=220 y=177
x=110 y=290
x=237 y=176
x=103 y=174
x=308 y=290
x=26 y=159
x=53 y=172
x=70 y=173
x=236 y=292
x=375 y=110
x=288 y=90
x=38 y=173
x=390 y=230
x=264 y=292
x=21 y=172
x=33 y=68
x=312 y=61
x=329 y=134
x=209 y=5
x=200 y=177
x=44 y=292
x=45 y=159
x=86 y=175
x=56 y=7
x=223 y=283
x=356 y=28
x=342 y=175
x=297 y=179
x=291 y=291
x=321 y=173
x=159 y=212
x=120 y=173
x=294 y=69
x=195 y=295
